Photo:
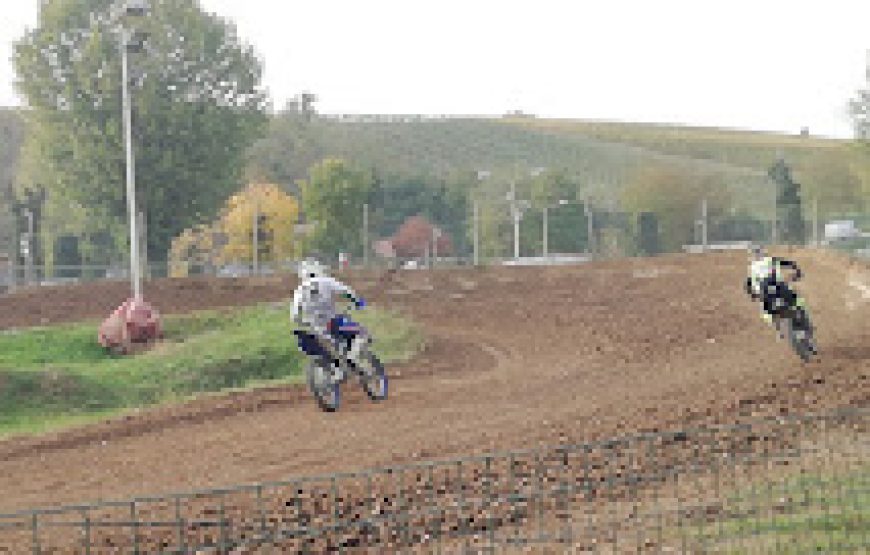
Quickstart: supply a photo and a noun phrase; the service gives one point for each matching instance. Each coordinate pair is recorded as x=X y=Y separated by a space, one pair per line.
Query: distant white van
x=841 y=229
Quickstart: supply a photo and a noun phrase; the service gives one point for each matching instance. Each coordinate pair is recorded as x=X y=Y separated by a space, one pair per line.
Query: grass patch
x=803 y=514
x=59 y=376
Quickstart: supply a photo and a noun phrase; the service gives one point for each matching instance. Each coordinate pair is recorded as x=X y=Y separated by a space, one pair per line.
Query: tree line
x=203 y=127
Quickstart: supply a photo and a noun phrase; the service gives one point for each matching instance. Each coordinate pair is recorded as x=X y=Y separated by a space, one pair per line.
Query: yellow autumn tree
x=194 y=249
x=279 y=213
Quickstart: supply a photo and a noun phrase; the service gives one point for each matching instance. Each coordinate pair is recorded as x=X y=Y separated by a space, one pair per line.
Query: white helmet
x=310 y=268
x=756 y=251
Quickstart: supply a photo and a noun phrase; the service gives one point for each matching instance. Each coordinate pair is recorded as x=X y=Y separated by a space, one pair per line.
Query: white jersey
x=314 y=301
x=759 y=270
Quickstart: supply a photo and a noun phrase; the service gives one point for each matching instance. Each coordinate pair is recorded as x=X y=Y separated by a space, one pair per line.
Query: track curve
x=516 y=357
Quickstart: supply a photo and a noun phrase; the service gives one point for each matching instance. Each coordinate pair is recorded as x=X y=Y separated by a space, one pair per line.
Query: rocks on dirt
x=134 y=322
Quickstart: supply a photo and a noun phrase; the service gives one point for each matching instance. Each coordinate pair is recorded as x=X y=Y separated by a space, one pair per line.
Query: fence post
x=224 y=542
x=262 y=510
x=570 y=491
x=461 y=504
x=180 y=521
x=513 y=488
x=404 y=508
x=135 y=526
x=490 y=519
x=35 y=526
x=541 y=492
x=86 y=520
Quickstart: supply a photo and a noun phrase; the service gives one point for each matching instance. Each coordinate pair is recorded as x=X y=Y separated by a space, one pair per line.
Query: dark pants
x=340 y=328
x=777 y=298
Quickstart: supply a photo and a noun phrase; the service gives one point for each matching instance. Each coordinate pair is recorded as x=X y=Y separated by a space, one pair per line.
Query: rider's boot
x=355 y=353
x=337 y=372
x=777 y=322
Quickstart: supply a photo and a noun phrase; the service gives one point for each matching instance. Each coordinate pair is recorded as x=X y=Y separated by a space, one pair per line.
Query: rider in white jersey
x=766 y=284
x=314 y=304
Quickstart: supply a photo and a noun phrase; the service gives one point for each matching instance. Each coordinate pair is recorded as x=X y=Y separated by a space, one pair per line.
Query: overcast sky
x=755 y=64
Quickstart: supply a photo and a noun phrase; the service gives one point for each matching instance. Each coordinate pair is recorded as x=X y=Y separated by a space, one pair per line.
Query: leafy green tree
x=674 y=195
x=442 y=201
x=197 y=105
x=292 y=143
x=332 y=199
x=566 y=223
x=831 y=178
x=789 y=216
x=11 y=136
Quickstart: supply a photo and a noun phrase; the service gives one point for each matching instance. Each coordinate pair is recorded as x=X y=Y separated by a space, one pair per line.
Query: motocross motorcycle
x=328 y=367
x=793 y=313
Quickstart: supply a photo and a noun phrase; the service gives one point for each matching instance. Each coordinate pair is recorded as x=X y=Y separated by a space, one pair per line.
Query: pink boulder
x=134 y=322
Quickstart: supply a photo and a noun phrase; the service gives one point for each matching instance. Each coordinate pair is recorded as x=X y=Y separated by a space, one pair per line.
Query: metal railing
x=802 y=481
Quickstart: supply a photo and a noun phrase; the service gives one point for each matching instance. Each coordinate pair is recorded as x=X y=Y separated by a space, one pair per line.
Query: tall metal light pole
x=133 y=7
x=590 y=228
x=517 y=207
x=773 y=230
x=481 y=176
x=365 y=235
x=476 y=224
x=28 y=251
x=131 y=189
x=546 y=209
x=255 y=253
x=704 y=223
x=517 y=215
x=435 y=236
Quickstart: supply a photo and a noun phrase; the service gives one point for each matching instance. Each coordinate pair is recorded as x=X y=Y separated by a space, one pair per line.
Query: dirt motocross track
x=516 y=357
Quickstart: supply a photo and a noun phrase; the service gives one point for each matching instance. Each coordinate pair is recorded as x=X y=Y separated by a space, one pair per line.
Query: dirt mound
x=519 y=357
x=56 y=304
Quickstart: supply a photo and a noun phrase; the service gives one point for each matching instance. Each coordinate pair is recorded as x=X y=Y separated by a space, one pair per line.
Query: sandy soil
x=517 y=357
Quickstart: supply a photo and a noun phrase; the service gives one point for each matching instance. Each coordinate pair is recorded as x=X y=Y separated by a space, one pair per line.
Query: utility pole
x=773 y=231
x=365 y=235
x=704 y=223
x=476 y=224
x=28 y=250
x=434 y=245
x=589 y=226
x=546 y=209
x=516 y=215
x=816 y=222
x=256 y=239
x=131 y=191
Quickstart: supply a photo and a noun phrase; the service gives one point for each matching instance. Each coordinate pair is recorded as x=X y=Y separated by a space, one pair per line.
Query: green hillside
x=823 y=166
x=504 y=147
x=742 y=148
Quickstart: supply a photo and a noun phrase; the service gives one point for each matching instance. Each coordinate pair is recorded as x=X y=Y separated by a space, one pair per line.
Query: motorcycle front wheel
x=801 y=337
x=373 y=377
x=326 y=390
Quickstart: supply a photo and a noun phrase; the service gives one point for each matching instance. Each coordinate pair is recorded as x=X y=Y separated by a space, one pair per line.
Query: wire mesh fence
x=567 y=232
x=785 y=484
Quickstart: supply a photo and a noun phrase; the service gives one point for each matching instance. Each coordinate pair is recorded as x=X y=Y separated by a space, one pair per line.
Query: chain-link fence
x=495 y=231
x=791 y=483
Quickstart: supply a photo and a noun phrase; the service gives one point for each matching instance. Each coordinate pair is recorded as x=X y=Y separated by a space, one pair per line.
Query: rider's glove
x=360 y=303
